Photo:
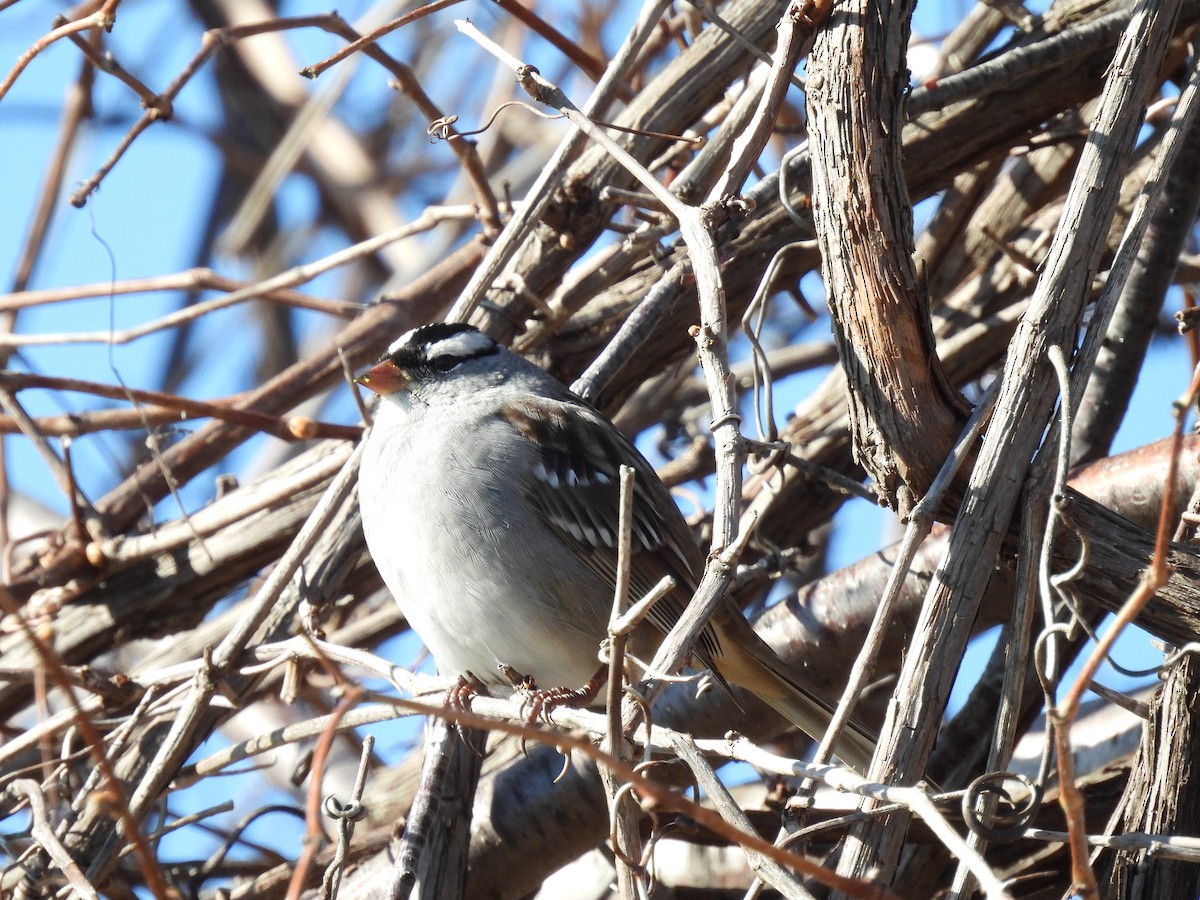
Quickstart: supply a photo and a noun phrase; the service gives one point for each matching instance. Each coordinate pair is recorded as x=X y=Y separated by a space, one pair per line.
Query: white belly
x=478 y=577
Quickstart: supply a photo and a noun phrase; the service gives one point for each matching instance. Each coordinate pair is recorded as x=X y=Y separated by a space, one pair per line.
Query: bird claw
x=467 y=686
x=458 y=699
x=538 y=703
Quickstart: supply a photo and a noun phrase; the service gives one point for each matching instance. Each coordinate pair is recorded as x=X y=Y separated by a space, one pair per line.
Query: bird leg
x=540 y=703
x=467 y=686
x=459 y=698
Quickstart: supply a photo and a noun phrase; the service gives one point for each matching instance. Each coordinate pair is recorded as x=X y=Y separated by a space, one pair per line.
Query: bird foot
x=467 y=686
x=538 y=704
x=458 y=699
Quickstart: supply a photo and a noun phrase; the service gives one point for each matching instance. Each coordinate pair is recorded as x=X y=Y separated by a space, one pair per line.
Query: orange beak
x=383 y=378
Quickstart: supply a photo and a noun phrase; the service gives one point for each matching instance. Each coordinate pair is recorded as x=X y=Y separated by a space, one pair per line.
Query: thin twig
x=622 y=811
x=183 y=408
x=657 y=795
x=540 y=192
x=315 y=70
x=102 y=18
x=346 y=814
x=918 y=528
x=193 y=280
x=768 y=870
x=43 y=832
x=313 y=835
x=178 y=743
x=292 y=277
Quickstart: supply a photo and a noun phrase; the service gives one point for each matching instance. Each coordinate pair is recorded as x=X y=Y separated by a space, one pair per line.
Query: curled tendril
x=439 y=129
x=643 y=703
x=352 y=811
x=1191 y=648
x=1040 y=659
x=614 y=822
x=995 y=825
x=1077 y=568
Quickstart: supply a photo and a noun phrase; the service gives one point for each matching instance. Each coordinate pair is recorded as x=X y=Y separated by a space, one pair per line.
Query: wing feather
x=576 y=490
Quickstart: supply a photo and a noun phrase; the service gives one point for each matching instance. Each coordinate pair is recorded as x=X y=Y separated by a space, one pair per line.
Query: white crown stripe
x=461 y=346
x=401 y=341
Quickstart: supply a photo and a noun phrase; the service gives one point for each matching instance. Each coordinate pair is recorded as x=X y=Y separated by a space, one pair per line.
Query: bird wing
x=576 y=491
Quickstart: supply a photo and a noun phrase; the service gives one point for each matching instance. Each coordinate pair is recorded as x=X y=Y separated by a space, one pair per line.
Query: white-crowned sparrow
x=489 y=497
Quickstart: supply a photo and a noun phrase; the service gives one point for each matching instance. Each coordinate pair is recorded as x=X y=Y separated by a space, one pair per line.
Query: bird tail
x=749 y=662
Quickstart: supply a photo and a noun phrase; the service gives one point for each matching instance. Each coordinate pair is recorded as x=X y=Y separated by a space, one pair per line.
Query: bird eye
x=444 y=362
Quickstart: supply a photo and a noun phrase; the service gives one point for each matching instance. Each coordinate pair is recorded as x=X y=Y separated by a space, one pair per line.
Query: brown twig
x=42 y=831
x=115 y=793
x=1064 y=714
x=102 y=18
x=197 y=279
x=107 y=63
x=313 y=833
x=366 y=40
x=589 y=64
x=287 y=429
x=290 y=278
x=655 y=795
